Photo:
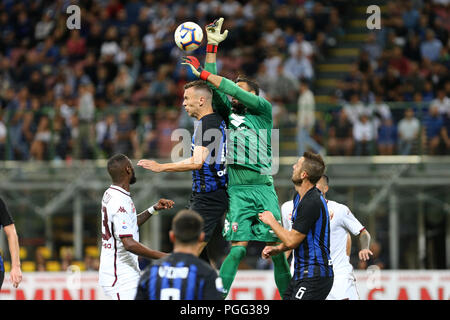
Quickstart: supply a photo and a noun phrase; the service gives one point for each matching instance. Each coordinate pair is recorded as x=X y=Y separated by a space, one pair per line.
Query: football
x=188 y=36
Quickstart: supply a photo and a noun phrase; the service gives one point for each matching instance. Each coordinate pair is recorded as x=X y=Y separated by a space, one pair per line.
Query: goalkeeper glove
x=196 y=68
x=214 y=36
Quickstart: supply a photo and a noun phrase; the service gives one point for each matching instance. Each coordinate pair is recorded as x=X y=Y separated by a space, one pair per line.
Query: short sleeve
x=5 y=217
x=350 y=222
x=307 y=214
x=286 y=214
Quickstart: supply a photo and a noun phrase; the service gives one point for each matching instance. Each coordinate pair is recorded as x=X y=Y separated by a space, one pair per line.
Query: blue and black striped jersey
x=310 y=217
x=179 y=276
x=210 y=133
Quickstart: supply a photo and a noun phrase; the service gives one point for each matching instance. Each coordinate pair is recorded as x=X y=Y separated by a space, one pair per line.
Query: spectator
x=411 y=50
x=125 y=139
x=149 y=138
x=36 y=86
x=298 y=66
x=355 y=108
x=372 y=47
x=39 y=146
x=408 y=132
x=387 y=136
x=364 y=135
x=306 y=107
x=442 y=102
x=123 y=83
x=86 y=114
x=62 y=137
x=340 y=139
x=428 y=93
x=300 y=43
x=106 y=131
x=281 y=87
x=45 y=26
x=166 y=123
x=433 y=124
x=399 y=62
x=380 y=110
x=431 y=47
x=76 y=46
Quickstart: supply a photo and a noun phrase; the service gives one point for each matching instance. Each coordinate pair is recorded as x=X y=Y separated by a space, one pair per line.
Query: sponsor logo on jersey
x=331 y=213
x=234 y=226
x=122 y=209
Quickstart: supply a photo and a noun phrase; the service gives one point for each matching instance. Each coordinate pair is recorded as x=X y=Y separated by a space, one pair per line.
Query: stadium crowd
x=116 y=84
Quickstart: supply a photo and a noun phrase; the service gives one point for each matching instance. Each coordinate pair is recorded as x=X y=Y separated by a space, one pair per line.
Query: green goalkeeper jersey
x=249 y=146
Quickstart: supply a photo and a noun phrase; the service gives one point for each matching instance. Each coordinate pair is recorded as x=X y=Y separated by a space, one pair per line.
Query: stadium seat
x=53 y=265
x=63 y=251
x=23 y=253
x=28 y=266
x=45 y=252
x=92 y=251
x=7 y=266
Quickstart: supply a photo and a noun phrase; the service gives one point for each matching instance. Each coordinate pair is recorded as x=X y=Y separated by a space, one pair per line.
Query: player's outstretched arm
x=250 y=100
x=162 y=204
x=139 y=249
x=214 y=36
x=193 y=163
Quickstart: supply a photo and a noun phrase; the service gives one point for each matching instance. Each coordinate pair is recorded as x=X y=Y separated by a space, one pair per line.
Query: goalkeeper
x=250 y=184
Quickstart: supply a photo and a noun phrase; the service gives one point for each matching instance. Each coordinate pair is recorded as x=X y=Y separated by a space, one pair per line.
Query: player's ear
x=171 y=236
x=202 y=101
x=201 y=237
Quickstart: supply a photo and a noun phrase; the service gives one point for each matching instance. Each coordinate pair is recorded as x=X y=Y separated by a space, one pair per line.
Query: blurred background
x=376 y=103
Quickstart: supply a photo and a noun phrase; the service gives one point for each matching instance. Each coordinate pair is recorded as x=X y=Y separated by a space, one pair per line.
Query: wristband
x=151 y=210
x=211 y=48
x=204 y=75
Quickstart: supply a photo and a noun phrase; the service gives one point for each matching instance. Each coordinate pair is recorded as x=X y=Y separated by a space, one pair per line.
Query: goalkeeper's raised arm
x=243 y=92
x=214 y=36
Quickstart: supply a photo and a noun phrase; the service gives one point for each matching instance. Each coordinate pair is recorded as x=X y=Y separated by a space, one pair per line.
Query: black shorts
x=212 y=206
x=316 y=288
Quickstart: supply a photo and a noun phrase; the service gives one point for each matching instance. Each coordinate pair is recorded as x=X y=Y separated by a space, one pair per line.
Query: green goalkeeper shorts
x=246 y=202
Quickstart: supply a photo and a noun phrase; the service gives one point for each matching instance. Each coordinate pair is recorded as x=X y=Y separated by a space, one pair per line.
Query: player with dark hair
x=249 y=164
x=207 y=162
x=7 y=222
x=310 y=234
x=181 y=275
x=119 y=269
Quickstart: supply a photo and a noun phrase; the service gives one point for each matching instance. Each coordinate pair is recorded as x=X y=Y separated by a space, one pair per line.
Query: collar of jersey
x=120 y=189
